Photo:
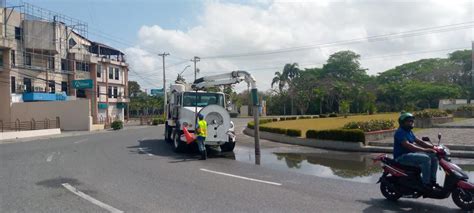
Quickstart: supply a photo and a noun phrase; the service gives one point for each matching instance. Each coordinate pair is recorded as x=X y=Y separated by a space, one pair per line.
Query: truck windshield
x=203 y=99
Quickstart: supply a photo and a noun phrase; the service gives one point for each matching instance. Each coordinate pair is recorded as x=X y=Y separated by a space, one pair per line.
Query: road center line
x=90 y=199
x=241 y=177
x=50 y=157
x=142 y=150
x=80 y=141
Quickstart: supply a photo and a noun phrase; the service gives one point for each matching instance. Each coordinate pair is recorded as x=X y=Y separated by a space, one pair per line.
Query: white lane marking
x=80 y=141
x=91 y=199
x=142 y=150
x=50 y=157
x=241 y=177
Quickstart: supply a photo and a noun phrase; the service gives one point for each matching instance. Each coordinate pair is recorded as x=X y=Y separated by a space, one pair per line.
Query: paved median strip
x=90 y=199
x=241 y=177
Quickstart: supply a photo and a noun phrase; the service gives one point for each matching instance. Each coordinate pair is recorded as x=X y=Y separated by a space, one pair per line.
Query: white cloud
x=228 y=28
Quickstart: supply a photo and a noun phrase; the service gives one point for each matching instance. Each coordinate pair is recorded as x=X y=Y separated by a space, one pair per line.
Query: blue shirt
x=400 y=136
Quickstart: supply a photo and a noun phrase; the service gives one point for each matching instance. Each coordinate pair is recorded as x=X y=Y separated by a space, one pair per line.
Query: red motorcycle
x=405 y=181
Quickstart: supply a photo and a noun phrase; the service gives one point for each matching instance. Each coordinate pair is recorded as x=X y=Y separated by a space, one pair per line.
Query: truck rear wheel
x=168 y=132
x=229 y=146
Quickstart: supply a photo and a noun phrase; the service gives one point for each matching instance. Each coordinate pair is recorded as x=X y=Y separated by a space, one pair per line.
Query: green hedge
x=351 y=135
x=116 y=125
x=372 y=125
x=304 y=117
x=293 y=132
x=465 y=108
x=273 y=130
x=250 y=125
x=315 y=116
x=332 y=115
x=157 y=121
x=323 y=116
x=430 y=113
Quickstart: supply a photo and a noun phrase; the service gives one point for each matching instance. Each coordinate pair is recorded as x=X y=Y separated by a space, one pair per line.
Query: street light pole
x=195 y=60
x=163 y=55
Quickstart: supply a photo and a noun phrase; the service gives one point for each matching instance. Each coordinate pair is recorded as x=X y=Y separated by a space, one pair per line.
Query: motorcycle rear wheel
x=463 y=199
x=389 y=192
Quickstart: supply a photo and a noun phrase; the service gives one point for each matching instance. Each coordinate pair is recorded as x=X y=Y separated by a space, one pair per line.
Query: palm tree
x=290 y=71
x=279 y=79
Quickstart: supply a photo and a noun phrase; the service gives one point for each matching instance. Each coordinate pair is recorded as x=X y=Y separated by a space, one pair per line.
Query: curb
x=452 y=127
x=450 y=146
x=343 y=146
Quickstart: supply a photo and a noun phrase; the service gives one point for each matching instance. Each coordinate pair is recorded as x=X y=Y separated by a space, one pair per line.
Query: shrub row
x=351 y=135
x=157 y=121
x=372 y=125
x=430 y=113
x=116 y=125
x=465 y=108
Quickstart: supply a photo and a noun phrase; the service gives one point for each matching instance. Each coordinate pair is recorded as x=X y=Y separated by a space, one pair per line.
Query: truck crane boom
x=225 y=79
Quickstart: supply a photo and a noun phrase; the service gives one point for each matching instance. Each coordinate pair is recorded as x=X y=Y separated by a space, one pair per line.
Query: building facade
x=43 y=54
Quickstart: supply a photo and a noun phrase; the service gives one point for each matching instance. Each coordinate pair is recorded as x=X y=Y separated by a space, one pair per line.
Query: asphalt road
x=136 y=171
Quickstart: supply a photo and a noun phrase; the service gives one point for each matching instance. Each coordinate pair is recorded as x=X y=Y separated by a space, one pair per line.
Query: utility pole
x=163 y=55
x=195 y=60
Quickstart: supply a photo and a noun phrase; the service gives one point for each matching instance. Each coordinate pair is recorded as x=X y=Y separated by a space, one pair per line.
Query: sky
x=263 y=35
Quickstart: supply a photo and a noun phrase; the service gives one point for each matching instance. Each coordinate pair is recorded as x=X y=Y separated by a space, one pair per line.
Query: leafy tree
x=345 y=107
x=133 y=88
x=344 y=65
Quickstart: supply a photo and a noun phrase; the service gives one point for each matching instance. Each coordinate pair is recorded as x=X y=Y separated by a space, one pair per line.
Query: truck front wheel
x=178 y=145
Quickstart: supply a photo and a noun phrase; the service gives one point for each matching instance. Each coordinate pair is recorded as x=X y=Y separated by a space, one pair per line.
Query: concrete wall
x=28 y=134
x=74 y=115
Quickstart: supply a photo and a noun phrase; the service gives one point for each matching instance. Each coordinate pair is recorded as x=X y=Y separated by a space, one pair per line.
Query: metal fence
x=30 y=125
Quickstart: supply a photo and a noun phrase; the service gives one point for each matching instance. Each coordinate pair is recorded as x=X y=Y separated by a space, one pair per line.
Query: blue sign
x=82 y=84
x=156 y=91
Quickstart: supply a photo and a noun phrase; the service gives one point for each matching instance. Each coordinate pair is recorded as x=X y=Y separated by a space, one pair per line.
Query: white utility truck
x=187 y=101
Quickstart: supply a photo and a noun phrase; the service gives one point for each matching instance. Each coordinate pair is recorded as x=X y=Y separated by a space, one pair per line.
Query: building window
x=98 y=91
x=81 y=93
x=117 y=74
x=72 y=43
x=27 y=84
x=18 y=33
x=111 y=73
x=28 y=59
x=64 y=87
x=109 y=92
x=64 y=65
x=50 y=63
x=13 y=58
x=99 y=71
x=82 y=66
x=52 y=86
x=13 y=84
x=115 y=92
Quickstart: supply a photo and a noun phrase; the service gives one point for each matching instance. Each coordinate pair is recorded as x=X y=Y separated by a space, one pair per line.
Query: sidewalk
x=70 y=134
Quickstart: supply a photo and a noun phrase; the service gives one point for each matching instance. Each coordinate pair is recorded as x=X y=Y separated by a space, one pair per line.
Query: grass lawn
x=328 y=123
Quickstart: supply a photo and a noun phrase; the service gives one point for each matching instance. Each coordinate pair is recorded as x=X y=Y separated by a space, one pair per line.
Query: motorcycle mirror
x=425 y=139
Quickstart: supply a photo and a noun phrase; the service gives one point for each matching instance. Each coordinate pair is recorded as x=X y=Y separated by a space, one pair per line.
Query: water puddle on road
x=357 y=167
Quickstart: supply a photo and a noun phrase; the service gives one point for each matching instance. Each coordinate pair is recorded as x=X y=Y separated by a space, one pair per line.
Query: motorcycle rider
x=411 y=151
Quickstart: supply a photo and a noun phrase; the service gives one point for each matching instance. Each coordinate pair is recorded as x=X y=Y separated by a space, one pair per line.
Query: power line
x=362 y=58
x=376 y=38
